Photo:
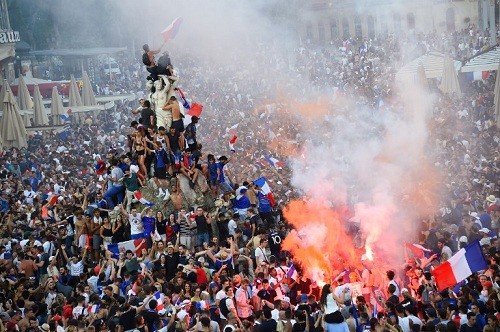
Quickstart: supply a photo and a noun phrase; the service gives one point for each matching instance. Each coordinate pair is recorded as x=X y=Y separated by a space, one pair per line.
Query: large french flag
x=460 y=266
x=171 y=31
x=266 y=190
x=116 y=248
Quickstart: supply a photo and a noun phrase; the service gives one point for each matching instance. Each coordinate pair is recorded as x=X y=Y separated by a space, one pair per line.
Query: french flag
x=232 y=130
x=231 y=143
x=185 y=102
x=116 y=248
x=159 y=300
x=93 y=309
x=266 y=190
x=53 y=200
x=418 y=250
x=275 y=162
x=142 y=200
x=477 y=75
x=292 y=273
x=460 y=266
x=171 y=31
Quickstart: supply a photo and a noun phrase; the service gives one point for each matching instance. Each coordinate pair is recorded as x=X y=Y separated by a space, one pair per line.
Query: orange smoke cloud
x=319 y=242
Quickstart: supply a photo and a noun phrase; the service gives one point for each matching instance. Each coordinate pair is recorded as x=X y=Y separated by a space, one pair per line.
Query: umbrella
x=497 y=97
x=24 y=100
x=40 y=116
x=23 y=95
x=11 y=126
x=87 y=92
x=449 y=81
x=56 y=108
x=74 y=94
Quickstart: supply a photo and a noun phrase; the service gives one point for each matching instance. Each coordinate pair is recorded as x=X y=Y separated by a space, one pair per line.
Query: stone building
x=326 y=20
x=8 y=40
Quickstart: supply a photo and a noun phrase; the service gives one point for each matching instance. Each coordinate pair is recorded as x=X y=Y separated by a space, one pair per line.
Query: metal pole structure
x=109 y=66
x=493 y=27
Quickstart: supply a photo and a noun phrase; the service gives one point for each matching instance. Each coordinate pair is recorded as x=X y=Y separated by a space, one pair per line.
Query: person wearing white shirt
x=232 y=226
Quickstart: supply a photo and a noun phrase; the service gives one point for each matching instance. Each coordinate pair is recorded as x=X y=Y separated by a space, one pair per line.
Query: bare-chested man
x=173 y=106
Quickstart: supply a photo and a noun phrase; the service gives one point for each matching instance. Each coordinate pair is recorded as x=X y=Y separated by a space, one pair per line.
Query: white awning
x=483 y=62
x=433 y=64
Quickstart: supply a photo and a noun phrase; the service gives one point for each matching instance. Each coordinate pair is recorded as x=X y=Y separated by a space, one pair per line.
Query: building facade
x=330 y=20
x=8 y=40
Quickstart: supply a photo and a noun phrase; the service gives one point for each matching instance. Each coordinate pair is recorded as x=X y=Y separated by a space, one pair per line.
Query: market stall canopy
x=483 y=62
x=433 y=64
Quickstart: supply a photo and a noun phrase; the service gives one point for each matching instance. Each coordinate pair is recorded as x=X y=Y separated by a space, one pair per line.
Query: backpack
x=145 y=59
x=224 y=310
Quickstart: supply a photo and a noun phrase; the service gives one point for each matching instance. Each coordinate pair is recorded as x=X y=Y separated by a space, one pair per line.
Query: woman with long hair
x=172 y=228
x=334 y=322
x=140 y=148
x=118 y=229
x=161 y=225
x=106 y=232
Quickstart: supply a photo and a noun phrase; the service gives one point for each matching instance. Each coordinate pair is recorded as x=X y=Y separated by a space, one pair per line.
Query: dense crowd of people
x=136 y=220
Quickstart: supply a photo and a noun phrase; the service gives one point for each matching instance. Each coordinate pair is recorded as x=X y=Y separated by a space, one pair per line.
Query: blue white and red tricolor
x=171 y=31
x=465 y=262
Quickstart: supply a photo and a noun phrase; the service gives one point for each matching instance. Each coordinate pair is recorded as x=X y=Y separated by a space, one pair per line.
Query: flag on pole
x=116 y=248
x=231 y=143
x=142 y=200
x=460 y=266
x=171 y=31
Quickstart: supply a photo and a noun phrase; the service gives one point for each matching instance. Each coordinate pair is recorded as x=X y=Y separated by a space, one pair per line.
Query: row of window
x=370 y=24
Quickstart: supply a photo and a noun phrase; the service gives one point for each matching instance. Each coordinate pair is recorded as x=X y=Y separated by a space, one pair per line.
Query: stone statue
x=158 y=100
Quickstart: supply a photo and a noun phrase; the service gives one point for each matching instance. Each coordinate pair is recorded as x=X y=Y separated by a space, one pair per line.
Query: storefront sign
x=9 y=37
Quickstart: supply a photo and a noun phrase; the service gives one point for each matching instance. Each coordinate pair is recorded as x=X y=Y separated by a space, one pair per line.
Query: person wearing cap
x=485 y=239
x=491 y=203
